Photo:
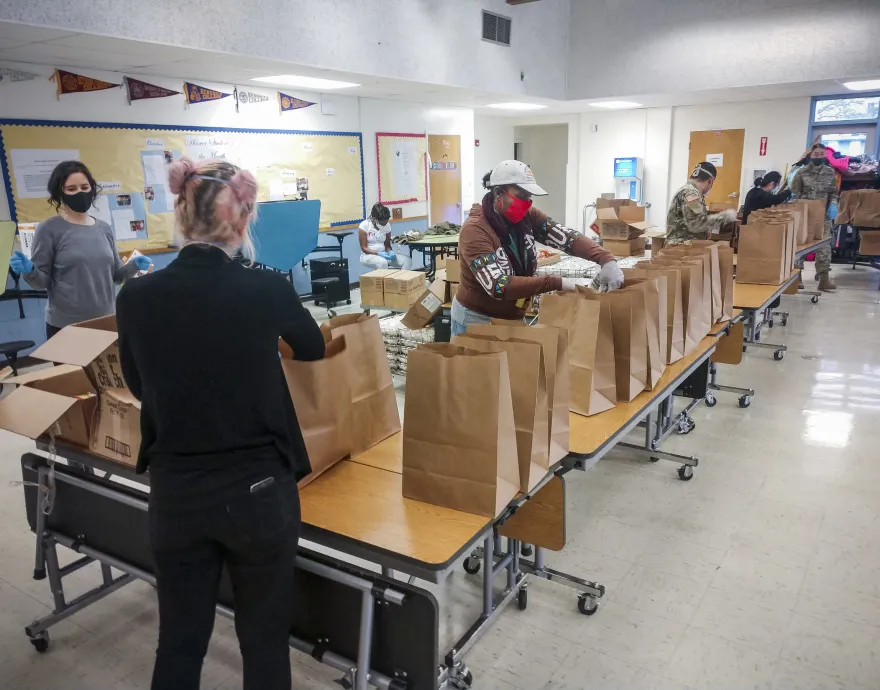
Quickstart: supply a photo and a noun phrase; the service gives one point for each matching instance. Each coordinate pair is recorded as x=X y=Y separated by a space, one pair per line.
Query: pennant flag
x=68 y=82
x=139 y=90
x=8 y=76
x=249 y=97
x=199 y=94
x=290 y=103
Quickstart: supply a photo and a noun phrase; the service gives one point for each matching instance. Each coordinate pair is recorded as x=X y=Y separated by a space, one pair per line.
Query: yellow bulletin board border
x=148 y=129
x=384 y=159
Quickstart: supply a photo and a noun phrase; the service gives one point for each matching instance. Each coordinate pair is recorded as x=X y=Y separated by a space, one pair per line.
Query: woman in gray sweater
x=74 y=257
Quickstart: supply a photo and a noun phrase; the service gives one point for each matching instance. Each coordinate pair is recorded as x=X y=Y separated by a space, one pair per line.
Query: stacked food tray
x=399 y=340
x=574 y=267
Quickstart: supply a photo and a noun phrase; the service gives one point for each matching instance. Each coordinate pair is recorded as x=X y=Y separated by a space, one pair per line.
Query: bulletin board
x=403 y=170
x=129 y=162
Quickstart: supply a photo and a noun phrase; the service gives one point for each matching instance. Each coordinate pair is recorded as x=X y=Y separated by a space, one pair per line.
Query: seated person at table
x=224 y=451
x=375 y=239
x=499 y=256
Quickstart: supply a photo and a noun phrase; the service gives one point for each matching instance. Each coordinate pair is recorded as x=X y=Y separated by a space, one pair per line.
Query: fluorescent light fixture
x=516 y=106
x=313 y=83
x=613 y=105
x=865 y=85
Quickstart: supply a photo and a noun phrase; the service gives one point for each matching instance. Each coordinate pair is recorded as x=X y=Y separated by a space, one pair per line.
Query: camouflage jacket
x=687 y=218
x=815 y=182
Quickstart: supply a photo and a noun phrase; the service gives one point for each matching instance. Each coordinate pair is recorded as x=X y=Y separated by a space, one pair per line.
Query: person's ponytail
x=759 y=181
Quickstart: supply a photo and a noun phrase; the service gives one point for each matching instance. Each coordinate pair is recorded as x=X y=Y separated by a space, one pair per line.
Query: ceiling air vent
x=496 y=29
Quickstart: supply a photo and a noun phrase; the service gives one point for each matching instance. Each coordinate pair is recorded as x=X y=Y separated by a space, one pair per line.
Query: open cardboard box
x=624 y=223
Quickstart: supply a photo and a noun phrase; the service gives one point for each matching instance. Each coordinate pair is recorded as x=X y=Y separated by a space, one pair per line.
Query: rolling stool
x=324 y=284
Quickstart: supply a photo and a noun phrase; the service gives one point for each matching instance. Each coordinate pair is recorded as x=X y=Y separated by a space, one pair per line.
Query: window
x=849 y=144
x=842 y=109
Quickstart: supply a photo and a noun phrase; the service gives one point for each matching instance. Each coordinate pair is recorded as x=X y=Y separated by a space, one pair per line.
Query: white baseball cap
x=518 y=173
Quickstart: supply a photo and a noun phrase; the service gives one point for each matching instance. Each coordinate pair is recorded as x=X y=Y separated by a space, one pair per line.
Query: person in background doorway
x=764 y=194
x=375 y=238
x=498 y=253
x=224 y=451
x=817 y=180
x=74 y=256
x=687 y=218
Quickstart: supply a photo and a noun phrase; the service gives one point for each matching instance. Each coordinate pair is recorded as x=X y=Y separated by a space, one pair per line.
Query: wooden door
x=724 y=149
x=444 y=178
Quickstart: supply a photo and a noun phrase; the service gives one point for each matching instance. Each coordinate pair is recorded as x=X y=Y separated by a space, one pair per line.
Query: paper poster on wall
x=156 y=190
x=101 y=209
x=210 y=147
x=127 y=214
x=31 y=169
x=108 y=187
x=276 y=190
x=716 y=159
x=408 y=171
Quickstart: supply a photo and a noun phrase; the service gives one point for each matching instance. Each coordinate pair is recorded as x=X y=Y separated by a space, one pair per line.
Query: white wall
x=545 y=150
x=394 y=116
x=418 y=40
x=633 y=47
x=496 y=145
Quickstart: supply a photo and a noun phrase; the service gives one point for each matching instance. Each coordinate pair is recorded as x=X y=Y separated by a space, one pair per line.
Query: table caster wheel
x=745 y=348
x=710 y=400
x=815 y=299
x=779 y=354
x=784 y=322
x=472 y=565
x=770 y=323
x=41 y=643
x=526 y=550
x=745 y=401
x=685 y=473
x=587 y=604
x=522 y=599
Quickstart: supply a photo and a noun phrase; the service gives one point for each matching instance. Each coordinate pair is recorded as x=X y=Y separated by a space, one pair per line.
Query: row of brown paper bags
x=345 y=403
x=620 y=342
x=486 y=416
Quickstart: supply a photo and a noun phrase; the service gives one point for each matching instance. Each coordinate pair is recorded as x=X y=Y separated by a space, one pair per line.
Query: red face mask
x=517 y=209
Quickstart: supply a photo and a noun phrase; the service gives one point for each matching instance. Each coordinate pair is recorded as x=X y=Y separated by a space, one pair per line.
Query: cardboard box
x=453 y=270
x=372 y=287
x=61 y=394
x=717 y=206
x=90 y=345
x=117 y=433
x=404 y=301
x=422 y=312
x=403 y=283
x=614 y=203
x=658 y=239
x=453 y=288
x=634 y=247
x=869 y=244
x=625 y=223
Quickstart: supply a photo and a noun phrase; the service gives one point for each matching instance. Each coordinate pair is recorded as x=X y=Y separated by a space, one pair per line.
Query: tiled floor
x=761 y=572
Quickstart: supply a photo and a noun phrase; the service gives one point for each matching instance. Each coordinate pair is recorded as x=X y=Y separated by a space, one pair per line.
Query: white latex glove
x=729 y=215
x=610 y=277
x=569 y=284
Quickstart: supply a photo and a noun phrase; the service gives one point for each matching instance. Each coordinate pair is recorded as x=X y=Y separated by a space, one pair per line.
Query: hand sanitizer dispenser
x=628 y=176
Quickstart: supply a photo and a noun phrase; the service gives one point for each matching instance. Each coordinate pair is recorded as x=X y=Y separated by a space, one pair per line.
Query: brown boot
x=825 y=283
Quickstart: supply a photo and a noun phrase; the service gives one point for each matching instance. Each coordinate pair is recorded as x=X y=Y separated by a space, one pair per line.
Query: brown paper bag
x=554 y=346
x=654 y=288
x=528 y=389
x=374 y=413
x=322 y=400
x=725 y=275
x=815 y=218
x=674 y=313
x=711 y=272
x=799 y=208
x=763 y=253
x=630 y=337
x=459 y=438
x=590 y=349
x=694 y=309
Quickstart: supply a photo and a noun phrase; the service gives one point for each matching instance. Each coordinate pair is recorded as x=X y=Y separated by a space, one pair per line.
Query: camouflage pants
x=823 y=254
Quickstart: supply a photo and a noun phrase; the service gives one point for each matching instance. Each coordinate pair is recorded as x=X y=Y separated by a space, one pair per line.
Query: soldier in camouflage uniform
x=687 y=218
x=817 y=180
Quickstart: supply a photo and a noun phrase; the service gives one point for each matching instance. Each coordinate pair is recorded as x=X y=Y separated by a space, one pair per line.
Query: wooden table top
x=435 y=240
x=387 y=455
x=749 y=296
x=589 y=434
x=724 y=325
x=366 y=504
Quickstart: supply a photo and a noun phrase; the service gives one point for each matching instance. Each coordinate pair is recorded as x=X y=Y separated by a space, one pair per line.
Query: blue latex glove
x=388 y=256
x=20 y=263
x=832 y=210
x=142 y=262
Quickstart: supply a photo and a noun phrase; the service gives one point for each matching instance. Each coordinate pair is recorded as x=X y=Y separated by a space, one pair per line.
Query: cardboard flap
x=31 y=412
x=641 y=225
x=608 y=213
x=656 y=232
x=43 y=374
x=78 y=345
x=123 y=396
x=631 y=213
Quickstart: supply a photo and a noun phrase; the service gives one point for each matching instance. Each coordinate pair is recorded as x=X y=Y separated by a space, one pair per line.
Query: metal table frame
x=753 y=325
x=439 y=245
x=745 y=394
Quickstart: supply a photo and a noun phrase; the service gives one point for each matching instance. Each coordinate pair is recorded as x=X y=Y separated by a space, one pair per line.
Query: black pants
x=51 y=330
x=254 y=534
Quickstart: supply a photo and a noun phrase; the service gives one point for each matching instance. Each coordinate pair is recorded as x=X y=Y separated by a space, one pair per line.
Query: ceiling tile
x=46 y=53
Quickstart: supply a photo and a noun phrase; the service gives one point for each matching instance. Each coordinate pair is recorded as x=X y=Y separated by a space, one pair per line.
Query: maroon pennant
x=139 y=90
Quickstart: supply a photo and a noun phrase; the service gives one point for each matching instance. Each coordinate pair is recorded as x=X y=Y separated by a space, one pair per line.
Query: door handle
x=734 y=195
x=458 y=205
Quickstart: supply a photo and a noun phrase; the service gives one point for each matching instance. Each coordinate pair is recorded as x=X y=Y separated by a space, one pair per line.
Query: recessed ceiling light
x=865 y=85
x=615 y=104
x=306 y=82
x=516 y=106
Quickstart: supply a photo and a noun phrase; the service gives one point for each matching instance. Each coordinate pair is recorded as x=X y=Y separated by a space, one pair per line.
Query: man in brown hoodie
x=498 y=254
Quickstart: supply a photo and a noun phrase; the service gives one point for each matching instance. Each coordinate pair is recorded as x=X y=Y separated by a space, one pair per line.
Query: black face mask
x=817 y=161
x=79 y=202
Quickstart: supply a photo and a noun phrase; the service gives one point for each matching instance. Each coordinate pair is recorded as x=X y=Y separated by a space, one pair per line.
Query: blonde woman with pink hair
x=199 y=348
